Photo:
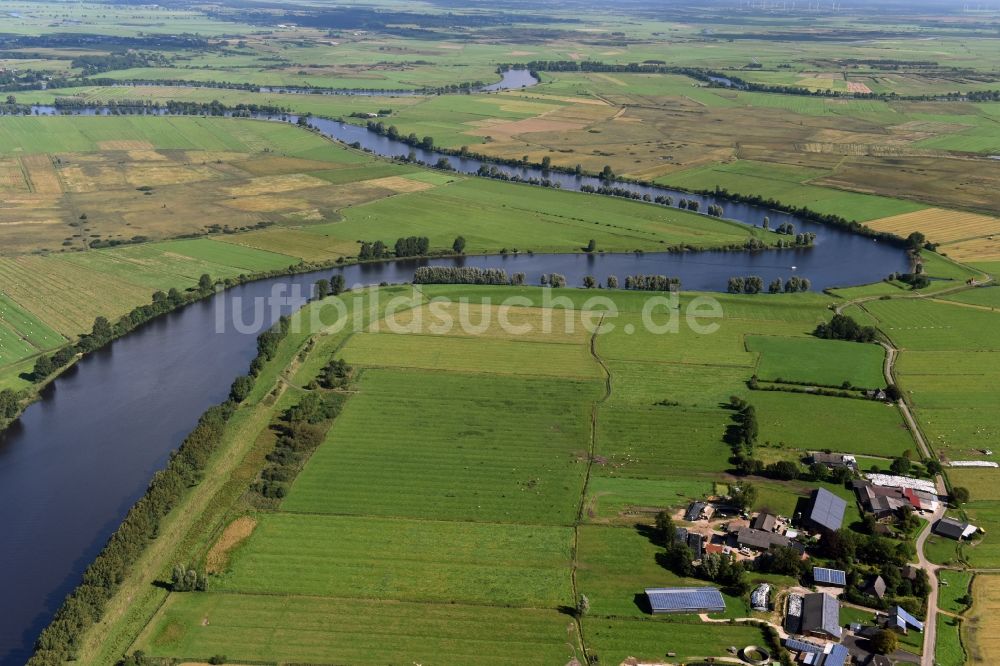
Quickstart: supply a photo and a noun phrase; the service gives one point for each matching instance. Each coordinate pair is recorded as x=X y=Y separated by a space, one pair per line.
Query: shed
x=876 y=587
x=694 y=511
x=953 y=529
x=764 y=521
x=902 y=621
x=685 y=600
x=821 y=616
x=824 y=576
x=826 y=510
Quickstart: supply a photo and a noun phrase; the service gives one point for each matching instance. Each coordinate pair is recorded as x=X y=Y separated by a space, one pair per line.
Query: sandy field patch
x=199 y=156
x=146 y=156
x=508 y=130
x=521 y=53
x=138 y=175
x=235 y=533
x=91 y=177
x=266 y=204
x=857 y=87
x=608 y=78
x=939 y=225
x=42 y=174
x=276 y=184
x=273 y=166
x=11 y=176
x=400 y=184
x=125 y=144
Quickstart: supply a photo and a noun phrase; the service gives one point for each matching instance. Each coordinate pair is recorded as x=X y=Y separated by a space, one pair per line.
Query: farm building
x=826 y=511
x=818 y=655
x=764 y=521
x=759 y=597
x=753 y=539
x=696 y=511
x=820 y=616
x=953 y=529
x=834 y=577
x=887 y=501
x=685 y=600
x=876 y=587
x=694 y=541
x=901 y=621
x=833 y=460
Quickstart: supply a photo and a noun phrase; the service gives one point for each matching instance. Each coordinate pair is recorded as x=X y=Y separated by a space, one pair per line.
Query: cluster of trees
x=412 y=246
x=332 y=287
x=843 y=327
x=95 y=64
x=184 y=579
x=650 y=283
x=715 y=210
x=372 y=250
x=754 y=284
x=719 y=568
x=553 y=280
x=915 y=280
x=392 y=132
x=689 y=204
x=300 y=430
x=741 y=434
x=267 y=344
x=335 y=374
x=465 y=275
x=491 y=171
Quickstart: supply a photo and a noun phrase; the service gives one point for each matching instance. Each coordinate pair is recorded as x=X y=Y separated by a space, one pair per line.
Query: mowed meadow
x=100 y=212
x=477 y=482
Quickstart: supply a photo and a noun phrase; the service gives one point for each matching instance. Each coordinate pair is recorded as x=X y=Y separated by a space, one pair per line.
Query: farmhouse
x=765 y=521
x=697 y=511
x=759 y=540
x=818 y=655
x=902 y=622
x=685 y=600
x=953 y=529
x=833 y=460
x=820 y=616
x=759 y=597
x=876 y=587
x=694 y=541
x=826 y=511
x=881 y=501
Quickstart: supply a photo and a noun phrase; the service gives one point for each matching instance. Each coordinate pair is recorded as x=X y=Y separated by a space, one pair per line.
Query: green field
x=323 y=630
x=815 y=423
x=821 y=362
x=954 y=586
x=949 y=650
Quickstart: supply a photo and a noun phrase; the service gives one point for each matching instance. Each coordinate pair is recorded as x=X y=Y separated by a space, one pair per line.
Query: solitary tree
x=884 y=642
x=960 y=494
x=337 y=284
x=589 y=282
x=583 y=605
x=459 y=245
x=664 y=526
x=322 y=288
x=546 y=162
x=915 y=241
x=205 y=283
x=43 y=368
x=612 y=282
x=591 y=245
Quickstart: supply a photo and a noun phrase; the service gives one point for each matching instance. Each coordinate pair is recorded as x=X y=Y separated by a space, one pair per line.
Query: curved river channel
x=77 y=459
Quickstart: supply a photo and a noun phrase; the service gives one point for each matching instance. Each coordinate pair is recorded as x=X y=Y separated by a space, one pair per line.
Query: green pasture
x=815 y=361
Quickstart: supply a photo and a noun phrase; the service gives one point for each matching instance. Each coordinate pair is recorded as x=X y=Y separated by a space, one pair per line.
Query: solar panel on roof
x=829 y=576
x=802 y=646
x=908 y=619
x=827 y=509
x=685 y=599
x=837 y=656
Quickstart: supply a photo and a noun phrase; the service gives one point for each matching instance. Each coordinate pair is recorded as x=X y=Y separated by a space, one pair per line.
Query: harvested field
x=124 y=144
x=401 y=184
x=977 y=249
x=939 y=225
x=276 y=184
x=42 y=176
x=983 y=627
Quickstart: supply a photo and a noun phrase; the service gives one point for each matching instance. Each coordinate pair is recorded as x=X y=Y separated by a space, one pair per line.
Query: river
x=77 y=459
